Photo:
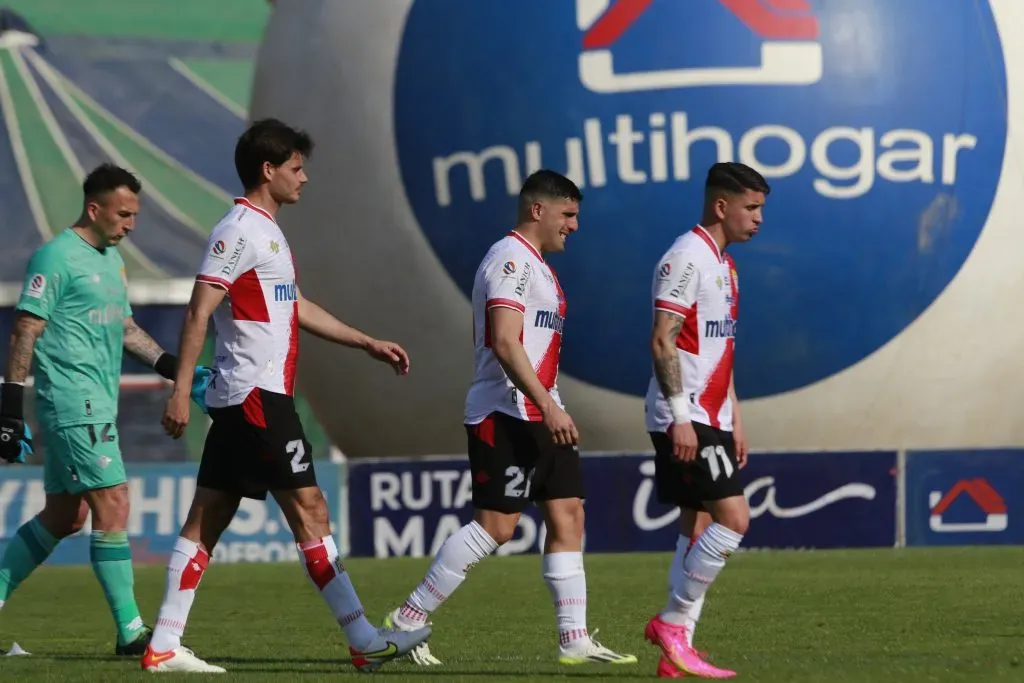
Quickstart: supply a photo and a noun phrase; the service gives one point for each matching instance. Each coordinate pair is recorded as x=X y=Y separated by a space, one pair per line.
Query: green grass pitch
x=912 y=615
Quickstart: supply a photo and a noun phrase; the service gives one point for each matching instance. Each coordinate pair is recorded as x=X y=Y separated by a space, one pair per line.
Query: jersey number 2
x=297 y=450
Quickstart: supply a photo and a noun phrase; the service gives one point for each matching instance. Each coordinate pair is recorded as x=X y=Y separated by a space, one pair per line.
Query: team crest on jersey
x=509 y=268
x=36 y=286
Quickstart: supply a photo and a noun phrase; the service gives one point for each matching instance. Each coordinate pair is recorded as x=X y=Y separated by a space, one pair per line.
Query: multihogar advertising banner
x=797 y=500
x=160 y=497
x=966 y=497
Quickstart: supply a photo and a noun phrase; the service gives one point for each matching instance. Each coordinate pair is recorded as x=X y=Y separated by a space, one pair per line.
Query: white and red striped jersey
x=514 y=275
x=257 y=324
x=696 y=280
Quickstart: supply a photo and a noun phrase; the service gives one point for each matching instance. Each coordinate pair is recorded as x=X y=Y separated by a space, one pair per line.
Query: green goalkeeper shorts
x=82 y=458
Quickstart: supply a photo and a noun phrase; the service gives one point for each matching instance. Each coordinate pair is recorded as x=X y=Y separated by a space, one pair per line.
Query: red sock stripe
x=412 y=613
x=318 y=564
x=192 y=573
x=566 y=637
x=565 y=602
x=693 y=542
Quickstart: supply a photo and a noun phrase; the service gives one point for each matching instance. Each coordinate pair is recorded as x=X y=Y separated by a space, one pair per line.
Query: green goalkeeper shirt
x=82 y=293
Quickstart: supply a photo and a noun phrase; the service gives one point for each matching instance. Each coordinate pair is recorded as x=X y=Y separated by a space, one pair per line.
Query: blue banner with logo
x=798 y=500
x=160 y=497
x=646 y=101
x=965 y=497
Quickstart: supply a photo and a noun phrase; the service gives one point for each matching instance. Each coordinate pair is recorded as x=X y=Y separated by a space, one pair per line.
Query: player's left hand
x=390 y=353
x=740 y=439
x=176 y=414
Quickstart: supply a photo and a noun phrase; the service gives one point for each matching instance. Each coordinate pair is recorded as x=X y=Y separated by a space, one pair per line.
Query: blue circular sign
x=880 y=126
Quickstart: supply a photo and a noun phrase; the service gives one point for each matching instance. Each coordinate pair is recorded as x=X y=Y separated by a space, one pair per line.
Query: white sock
x=672 y=613
x=458 y=555
x=703 y=563
x=325 y=570
x=184 y=572
x=693 y=618
x=563 y=573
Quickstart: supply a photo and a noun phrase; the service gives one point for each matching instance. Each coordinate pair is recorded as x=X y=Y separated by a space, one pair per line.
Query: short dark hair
x=734 y=178
x=267 y=140
x=546 y=184
x=107 y=178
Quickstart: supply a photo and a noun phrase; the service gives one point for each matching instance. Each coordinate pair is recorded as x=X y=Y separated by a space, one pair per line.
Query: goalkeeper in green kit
x=74 y=318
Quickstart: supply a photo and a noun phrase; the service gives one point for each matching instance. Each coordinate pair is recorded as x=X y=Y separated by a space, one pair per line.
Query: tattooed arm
x=665 y=354
x=139 y=344
x=675 y=297
x=27 y=329
x=670 y=379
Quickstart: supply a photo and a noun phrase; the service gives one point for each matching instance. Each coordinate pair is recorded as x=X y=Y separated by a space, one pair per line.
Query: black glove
x=15 y=436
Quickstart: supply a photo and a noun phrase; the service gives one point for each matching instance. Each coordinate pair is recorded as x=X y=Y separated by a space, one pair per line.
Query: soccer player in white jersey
x=692 y=412
x=256 y=443
x=522 y=443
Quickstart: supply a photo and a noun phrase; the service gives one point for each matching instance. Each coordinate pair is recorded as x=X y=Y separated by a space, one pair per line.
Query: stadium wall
x=872 y=302
x=407 y=507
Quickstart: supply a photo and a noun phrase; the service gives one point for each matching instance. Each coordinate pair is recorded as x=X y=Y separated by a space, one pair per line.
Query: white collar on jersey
x=703 y=233
x=526 y=242
x=249 y=205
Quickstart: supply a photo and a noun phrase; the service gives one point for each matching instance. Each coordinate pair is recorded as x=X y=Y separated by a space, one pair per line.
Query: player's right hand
x=15 y=439
x=176 y=414
x=684 y=441
x=562 y=428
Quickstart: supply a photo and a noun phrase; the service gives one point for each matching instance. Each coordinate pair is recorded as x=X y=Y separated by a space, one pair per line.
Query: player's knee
x=737 y=521
x=109 y=507
x=306 y=512
x=209 y=515
x=499 y=526
x=565 y=520
x=733 y=513
x=312 y=505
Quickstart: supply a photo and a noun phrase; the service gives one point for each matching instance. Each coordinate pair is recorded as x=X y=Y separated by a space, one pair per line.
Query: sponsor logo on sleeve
x=36 y=286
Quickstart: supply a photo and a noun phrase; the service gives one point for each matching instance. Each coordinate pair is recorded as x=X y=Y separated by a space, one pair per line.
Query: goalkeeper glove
x=15 y=435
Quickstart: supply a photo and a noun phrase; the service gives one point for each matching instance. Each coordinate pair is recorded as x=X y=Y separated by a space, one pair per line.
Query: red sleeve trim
x=213 y=281
x=668 y=306
x=506 y=303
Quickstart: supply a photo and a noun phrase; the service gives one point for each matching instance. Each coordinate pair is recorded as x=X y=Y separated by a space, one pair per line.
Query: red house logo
x=983 y=495
x=788 y=30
